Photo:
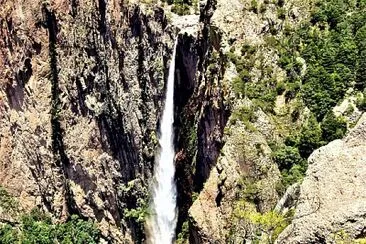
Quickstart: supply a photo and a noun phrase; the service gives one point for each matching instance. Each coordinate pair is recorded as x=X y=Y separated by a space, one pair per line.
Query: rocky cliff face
x=331 y=205
x=81 y=94
x=202 y=114
x=243 y=167
x=81 y=89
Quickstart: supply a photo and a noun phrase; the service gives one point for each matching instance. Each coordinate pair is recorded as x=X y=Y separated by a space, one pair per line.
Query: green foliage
x=7 y=202
x=192 y=139
x=140 y=213
x=280 y=88
x=182 y=7
x=270 y=224
x=254 y=6
x=8 y=234
x=286 y=157
x=360 y=39
x=334 y=48
x=264 y=91
x=244 y=113
x=37 y=227
x=281 y=13
x=183 y=236
x=310 y=137
x=251 y=191
x=291 y=158
x=135 y=201
x=243 y=68
x=323 y=90
x=291 y=165
x=262 y=8
x=195 y=196
x=323 y=58
x=331 y=51
x=361 y=101
x=342 y=237
x=77 y=231
x=295 y=174
x=333 y=127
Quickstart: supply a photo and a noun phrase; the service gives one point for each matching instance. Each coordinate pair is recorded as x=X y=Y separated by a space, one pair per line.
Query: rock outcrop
x=333 y=194
x=212 y=212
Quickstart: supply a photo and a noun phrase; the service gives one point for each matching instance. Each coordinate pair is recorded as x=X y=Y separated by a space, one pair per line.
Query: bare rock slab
x=333 y=193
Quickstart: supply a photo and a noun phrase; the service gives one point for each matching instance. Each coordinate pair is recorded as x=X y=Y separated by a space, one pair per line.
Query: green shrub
x=8 y=234
x=77 y=230
x=181 y=8
x=262 y=8
x=37 y=227
x=7 y=202
x=295 y=174
x=281 y=13
x=286 y=157
x=310 y=137
x=333 y=127
x=291 y=164
x=269 y=224
x=140 y=213
x=183 y=236
x=280 y=88
x=249 y=189
x=245 y=113
x=334 y=48
x=361 y=102
x=360 y=39
x=254 y=6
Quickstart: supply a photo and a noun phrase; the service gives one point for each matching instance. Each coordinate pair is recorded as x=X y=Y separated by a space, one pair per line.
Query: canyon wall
x=82 y=86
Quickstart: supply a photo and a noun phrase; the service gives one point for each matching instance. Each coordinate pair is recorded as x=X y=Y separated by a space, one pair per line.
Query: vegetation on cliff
x=38 y=227
x=323 y=59
x=333 y=46
x=296 y=78
x=290 y=76
x=183 y=7
x=264 y=227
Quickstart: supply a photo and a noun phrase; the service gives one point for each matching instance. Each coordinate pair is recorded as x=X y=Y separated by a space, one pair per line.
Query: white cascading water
x=164 y=218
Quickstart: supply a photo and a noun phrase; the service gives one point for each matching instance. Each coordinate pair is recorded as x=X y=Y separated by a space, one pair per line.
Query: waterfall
x=164 y=218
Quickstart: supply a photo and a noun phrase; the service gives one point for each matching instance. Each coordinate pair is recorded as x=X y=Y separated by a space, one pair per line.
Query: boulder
x=333 y=194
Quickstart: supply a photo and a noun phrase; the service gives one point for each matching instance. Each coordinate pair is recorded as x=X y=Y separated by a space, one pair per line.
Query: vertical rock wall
x=81 y=92
x=81 y=85
x=201 y=113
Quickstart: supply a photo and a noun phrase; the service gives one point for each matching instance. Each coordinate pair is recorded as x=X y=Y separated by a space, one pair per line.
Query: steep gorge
x=82 y=85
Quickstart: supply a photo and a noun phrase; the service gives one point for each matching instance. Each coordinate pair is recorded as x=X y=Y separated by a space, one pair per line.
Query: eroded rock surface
x=333 y=194
x=81 y=87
